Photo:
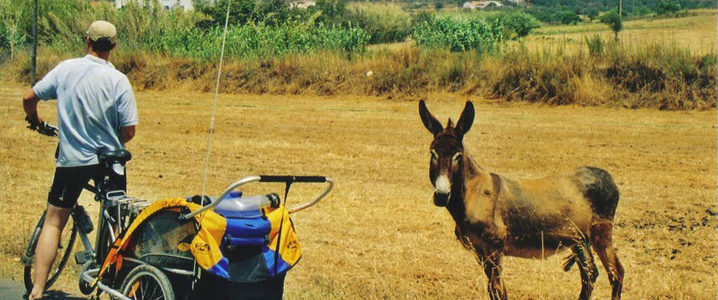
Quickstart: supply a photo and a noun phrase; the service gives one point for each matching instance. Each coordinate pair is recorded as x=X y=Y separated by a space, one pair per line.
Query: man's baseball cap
x=102 y=29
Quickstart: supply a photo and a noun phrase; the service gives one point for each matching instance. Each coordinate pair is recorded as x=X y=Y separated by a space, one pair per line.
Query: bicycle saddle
x=120 y=156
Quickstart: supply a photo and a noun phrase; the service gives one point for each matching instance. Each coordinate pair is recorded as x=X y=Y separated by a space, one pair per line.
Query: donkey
x=497 y=216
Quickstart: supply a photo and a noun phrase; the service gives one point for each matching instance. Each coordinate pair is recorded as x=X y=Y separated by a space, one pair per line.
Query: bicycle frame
x=111 y=201
x=77 y=214
x=114 y=216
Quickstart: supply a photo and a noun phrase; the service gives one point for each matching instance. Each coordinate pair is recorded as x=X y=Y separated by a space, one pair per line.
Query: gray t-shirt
x=93 y=101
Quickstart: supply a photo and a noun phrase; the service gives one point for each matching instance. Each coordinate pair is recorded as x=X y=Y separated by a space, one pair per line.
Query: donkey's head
x=447 y=150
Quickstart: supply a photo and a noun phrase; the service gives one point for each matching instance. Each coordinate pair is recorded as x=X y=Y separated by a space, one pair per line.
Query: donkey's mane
x=472 y=168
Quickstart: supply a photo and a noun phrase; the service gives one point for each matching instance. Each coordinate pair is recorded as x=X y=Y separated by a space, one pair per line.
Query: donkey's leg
x=602 y=242
x=587 y=267
x=492 y=268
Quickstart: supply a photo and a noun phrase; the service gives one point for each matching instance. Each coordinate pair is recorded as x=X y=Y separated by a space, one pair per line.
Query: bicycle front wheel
x=147 y=282
x=64 y=251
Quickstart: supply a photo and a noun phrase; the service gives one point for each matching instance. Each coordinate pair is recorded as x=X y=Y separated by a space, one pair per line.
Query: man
x=96 y=110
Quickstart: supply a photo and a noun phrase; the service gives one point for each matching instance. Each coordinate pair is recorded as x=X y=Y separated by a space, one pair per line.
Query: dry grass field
x=696 y=32
x=378 y=235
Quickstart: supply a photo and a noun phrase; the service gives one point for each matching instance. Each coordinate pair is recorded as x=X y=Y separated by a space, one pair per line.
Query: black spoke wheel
x=146 y=282
x=64 y=251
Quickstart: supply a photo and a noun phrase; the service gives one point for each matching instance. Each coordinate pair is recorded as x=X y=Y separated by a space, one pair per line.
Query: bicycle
x=116 y=212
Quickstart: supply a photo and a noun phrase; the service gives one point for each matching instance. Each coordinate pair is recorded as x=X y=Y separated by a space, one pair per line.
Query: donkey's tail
x=570 y=261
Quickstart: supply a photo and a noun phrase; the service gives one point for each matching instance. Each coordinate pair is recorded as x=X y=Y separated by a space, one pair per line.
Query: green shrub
x=386 y=23
x=422 y=17
x=240 y=12
x=641 y=10
x=519 y=22
x=152 y=28
x=273 y=12
x=666 y=7
x=333 y=12
x=568 y=17
x=11 y=35
x=554 y=15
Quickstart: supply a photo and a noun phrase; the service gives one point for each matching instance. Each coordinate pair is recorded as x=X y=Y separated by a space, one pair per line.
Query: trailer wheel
x=147 y=282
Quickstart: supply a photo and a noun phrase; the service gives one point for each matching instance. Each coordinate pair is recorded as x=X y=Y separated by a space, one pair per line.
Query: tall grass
x=164 y=50
x=595 y=44
x=258 y=40
x=661 y=75
x=149 y=28
x=460 y=35
x=386 y=23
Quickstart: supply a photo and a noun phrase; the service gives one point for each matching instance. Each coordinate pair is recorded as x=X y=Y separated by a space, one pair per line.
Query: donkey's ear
x=466 y=119
x=430 y=122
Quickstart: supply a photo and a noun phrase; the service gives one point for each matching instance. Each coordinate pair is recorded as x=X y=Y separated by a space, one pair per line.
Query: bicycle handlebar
x=292 y=179
x=288 y=179
x=43 y=128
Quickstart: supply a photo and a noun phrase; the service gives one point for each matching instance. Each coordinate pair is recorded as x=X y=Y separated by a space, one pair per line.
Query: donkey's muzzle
x=441 y=199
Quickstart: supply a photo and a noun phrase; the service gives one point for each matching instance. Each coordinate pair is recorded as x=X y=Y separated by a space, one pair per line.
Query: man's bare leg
x=46 y=248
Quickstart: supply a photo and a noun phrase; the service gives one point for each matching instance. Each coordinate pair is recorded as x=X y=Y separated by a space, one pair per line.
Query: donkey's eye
x=434 y=156
x=456 y=158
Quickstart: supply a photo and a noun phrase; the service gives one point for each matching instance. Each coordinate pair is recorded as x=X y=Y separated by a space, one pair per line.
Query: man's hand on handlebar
x=42 y=127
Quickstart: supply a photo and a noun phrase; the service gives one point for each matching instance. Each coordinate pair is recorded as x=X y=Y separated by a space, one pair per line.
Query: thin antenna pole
x=211 y=122
x=214 y=106
x=34 y=42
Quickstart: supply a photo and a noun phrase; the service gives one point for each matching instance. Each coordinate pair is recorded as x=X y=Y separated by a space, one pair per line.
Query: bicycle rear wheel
x=104 y=241
x=64 y=251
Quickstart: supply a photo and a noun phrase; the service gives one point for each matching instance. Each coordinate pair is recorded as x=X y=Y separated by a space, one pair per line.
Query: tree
x=240 y=12
x=334 y=12
x=666 y=7
x=273 y=12
x=613 y=20
x=520 y=22
x=11 y=34
x=592 y=13
x=568 y=17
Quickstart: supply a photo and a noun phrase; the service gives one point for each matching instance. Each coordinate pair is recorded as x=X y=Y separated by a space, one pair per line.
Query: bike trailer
x=249 y=250
x=232 y=248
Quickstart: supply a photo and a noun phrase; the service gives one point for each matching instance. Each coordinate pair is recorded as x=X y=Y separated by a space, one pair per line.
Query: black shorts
x=69 y=182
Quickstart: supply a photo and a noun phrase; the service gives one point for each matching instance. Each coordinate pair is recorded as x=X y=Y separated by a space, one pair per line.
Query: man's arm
x=127 y=111
x=127 y=133
x=29 y=104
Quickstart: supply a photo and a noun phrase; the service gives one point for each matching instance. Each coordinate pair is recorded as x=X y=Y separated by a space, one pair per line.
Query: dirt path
x=12 y=290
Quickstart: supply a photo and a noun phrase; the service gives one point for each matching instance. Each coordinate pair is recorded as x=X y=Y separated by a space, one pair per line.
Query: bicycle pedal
x=82 y=257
